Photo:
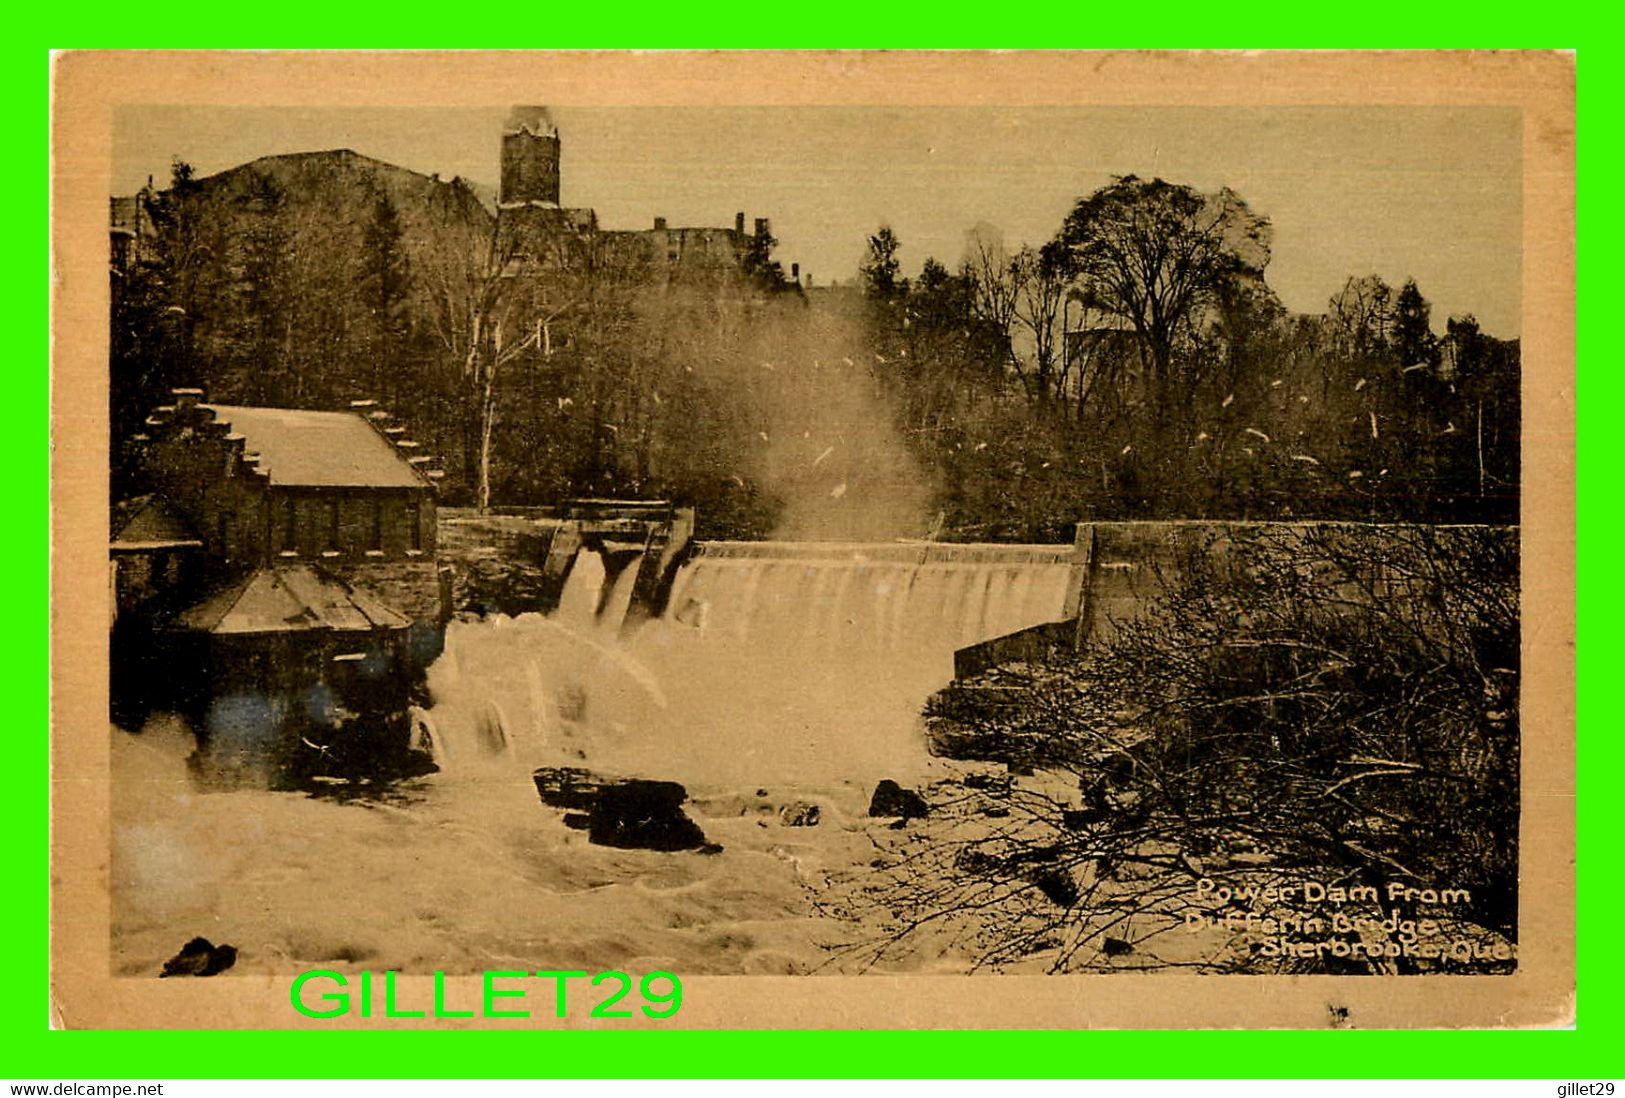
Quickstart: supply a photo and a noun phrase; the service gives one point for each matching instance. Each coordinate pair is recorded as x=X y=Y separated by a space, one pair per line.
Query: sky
x=1431 y=193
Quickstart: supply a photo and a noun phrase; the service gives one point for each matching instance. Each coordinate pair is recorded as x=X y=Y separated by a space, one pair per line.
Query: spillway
x=772 y=661
x=822 y=597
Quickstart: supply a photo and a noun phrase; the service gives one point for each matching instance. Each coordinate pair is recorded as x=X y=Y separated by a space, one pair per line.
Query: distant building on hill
x=131 y=229
x=537 y=231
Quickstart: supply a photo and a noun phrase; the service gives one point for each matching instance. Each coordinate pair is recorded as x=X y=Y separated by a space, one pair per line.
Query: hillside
x=305 y=279
x=327 y=201
x=345 y=181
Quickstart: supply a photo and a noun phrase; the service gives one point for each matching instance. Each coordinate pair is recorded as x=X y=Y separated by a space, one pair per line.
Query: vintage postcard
x=806 y=540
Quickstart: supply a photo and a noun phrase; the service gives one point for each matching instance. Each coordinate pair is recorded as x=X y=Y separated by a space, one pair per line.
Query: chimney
x=739 y=222
x=762 y=227
x=660 y=224
x=795 y=273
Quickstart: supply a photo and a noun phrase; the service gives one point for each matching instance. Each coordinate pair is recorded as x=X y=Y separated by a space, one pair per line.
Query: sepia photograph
x=826 y=541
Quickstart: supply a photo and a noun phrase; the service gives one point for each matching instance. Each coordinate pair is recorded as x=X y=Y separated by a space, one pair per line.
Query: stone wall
x=416 y=589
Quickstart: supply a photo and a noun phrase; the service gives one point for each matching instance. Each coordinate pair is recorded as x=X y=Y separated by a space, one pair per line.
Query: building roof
x=145 y=523
x=288 y=600
x=306 y=449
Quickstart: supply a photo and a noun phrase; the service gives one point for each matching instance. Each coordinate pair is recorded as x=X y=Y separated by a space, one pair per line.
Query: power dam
x=878 y=598
x=766 y=661
x=768 y=678
x=752 y=662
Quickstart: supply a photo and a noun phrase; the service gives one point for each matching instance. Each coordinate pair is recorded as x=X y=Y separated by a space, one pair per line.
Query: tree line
x=1135 y=365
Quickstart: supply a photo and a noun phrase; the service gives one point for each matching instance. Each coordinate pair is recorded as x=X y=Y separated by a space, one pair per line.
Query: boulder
x=646 y=815
x=629 y=813
x=1077 y=819
x=891 y=799
x=800 y=814
x=568 y=787
x=200 y=957
x=998 y=784
x=1057 y=886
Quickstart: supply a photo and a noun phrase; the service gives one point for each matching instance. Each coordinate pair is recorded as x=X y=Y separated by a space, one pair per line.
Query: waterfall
x=613 y=613
x=508 y=690
x=583 y=591
x=876 y=598
x=773 y=662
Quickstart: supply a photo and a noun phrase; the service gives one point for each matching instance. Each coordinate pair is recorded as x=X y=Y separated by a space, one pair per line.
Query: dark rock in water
x=800 y=814
x=645 y=815
x=200 y=957
x=568 y=787
x=891 y=799
x=622 y=812
x=1058 y=887
x=1116 y=947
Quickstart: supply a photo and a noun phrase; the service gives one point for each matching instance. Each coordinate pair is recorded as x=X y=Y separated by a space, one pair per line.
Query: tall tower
x=530 y=158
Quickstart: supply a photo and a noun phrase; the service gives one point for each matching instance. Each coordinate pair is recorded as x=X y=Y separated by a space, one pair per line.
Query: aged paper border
x=86 y=87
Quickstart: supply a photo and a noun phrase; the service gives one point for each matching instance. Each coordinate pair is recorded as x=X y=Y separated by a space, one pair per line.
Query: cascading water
x=583 y=591
x=780 y=674
x=523 y=689
x=774 y=662
x=874 y=598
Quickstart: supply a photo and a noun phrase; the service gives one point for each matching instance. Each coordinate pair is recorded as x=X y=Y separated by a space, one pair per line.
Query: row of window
x=366 y=516
x=331 y=514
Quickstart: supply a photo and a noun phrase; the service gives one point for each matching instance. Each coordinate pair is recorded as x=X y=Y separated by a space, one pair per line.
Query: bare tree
x=1362 y=314
x=994 y=283
x=1021 y=296
x=480 y=308
x=1041 y=284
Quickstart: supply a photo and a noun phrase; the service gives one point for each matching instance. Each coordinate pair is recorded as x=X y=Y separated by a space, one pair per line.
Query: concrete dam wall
x=919 y=597
x=639 y=650
x=876 y=597
x=960 y=607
